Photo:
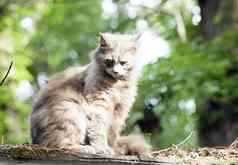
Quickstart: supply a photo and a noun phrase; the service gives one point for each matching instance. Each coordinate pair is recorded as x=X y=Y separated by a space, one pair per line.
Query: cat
x=85 y=108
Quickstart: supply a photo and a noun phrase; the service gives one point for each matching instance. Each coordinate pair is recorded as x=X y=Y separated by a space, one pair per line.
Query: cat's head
x=116 y=54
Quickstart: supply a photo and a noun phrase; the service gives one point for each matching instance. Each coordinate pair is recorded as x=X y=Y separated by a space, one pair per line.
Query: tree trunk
x=218 y=16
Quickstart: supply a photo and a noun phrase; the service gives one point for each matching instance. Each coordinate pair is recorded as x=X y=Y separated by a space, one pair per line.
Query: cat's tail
x=132 y=145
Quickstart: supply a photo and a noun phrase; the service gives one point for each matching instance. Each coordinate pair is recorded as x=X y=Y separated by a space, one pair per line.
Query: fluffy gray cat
x=85 y=108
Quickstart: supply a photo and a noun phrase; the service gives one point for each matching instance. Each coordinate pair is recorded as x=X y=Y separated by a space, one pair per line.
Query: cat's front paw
x=105 y=150
x=87 y=149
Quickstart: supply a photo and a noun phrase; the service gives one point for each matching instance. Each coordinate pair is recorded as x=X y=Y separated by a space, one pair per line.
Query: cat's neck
x=98 y=79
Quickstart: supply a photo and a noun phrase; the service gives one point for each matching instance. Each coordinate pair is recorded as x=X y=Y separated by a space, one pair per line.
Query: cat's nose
x=117 y=69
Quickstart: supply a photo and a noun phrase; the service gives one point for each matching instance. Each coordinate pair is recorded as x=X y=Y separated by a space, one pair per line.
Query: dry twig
x=8 y=71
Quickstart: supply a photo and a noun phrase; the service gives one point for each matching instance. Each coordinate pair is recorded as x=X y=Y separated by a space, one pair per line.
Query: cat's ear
x=137 y=37
x=103 y=43
x=136 y=41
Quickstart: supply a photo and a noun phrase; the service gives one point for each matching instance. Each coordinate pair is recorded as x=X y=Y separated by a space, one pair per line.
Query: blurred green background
x=189 y=88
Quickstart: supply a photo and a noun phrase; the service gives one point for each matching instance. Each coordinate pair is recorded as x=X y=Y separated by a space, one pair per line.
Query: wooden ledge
x=32 y=154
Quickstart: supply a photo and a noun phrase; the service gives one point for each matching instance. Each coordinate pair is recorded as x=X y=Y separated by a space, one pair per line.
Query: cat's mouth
x=114 y=76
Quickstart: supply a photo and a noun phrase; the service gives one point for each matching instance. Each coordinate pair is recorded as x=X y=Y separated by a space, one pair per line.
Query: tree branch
x=8 y=71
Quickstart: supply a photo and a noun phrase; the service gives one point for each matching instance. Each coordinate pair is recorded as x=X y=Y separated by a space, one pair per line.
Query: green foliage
x=195 y=71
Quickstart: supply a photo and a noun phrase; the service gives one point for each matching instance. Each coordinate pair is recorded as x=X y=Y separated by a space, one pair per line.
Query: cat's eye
x=109 y=62
x=123 y=62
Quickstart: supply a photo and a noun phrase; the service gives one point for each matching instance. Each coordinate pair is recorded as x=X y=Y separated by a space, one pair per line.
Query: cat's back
x=63 y=85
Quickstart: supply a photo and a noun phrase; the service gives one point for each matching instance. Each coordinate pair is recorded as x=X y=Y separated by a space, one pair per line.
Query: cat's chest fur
x=124 y=94
x=121 y=98
x=117 y=98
